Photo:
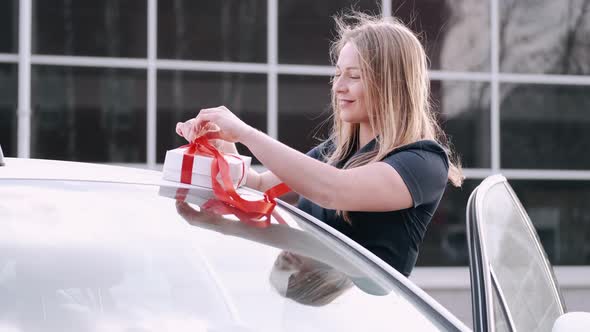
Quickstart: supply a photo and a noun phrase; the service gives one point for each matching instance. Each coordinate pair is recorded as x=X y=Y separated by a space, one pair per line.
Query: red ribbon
x=251 y=219
x=227 y=192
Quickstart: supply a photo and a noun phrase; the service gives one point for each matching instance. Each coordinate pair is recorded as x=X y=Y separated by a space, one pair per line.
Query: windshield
x=111 y=257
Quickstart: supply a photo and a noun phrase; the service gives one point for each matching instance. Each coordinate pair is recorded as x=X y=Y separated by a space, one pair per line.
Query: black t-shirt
x=394 y=236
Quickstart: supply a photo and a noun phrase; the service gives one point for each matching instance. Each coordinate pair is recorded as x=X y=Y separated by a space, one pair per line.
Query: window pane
x=556 y=44
x=558 y=209
x=464 y=113
x=212 y=30
x=544 y=126
x=561 y=215
x=456 y=34
x=304 y=110
x=182 y=94
x=8 y=104
x=113 y=28
x=306 y=28
x=88 y=114
x=9 y=26
x=445 y=243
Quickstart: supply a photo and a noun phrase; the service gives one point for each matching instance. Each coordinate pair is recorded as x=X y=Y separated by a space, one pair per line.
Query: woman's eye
x=355 y=77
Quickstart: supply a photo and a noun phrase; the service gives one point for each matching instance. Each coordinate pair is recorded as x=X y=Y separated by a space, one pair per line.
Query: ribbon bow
x=227 y=193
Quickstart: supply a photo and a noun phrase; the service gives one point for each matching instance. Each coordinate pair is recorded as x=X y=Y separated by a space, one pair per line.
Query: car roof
x=21 y=168
x=60 y=171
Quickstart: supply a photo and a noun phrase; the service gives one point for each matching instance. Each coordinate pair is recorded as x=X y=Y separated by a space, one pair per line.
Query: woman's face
x=348 y=86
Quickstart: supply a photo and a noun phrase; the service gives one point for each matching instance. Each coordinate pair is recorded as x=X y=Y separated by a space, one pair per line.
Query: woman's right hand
x=222 y=123
x=189 y=132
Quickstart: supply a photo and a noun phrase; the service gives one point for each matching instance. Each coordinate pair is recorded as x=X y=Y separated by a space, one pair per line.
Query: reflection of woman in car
x=306 y=280
x=307 y=270
x=381 y=174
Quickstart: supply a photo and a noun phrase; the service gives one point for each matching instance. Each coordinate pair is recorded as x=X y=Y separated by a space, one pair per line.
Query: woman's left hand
x=231 y=128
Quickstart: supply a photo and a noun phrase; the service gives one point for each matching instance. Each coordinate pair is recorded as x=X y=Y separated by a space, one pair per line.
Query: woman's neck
x=365 y=134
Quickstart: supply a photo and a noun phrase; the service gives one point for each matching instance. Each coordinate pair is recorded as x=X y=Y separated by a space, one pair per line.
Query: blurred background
x=106 y=81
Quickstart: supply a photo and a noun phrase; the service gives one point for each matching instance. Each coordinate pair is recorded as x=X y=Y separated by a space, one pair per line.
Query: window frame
x=484 y=281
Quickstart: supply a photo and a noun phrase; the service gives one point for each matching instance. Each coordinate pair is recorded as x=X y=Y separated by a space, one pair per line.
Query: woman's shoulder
x=426 y=145
x=326 y=144
x=423 y=148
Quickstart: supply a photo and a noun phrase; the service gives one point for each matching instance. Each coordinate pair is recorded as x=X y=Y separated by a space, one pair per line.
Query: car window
x=111 y=257
x=518 y=262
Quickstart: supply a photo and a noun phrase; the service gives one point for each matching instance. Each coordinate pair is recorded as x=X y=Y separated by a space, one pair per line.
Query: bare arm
x=372 y=187
x=258 y=181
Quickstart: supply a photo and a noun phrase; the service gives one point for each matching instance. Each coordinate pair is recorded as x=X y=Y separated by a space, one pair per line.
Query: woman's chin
x=348 y=118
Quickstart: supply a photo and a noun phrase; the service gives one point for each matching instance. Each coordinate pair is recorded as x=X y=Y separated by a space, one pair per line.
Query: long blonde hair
x=395 y=76
x=394 y=73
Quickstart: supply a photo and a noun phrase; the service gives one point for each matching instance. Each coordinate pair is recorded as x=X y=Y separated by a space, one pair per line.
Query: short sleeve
x=318 y=151
x=425 y=173
x=314 y=153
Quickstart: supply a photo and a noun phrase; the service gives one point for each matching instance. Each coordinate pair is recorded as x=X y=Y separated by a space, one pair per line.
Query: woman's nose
x=339 y=85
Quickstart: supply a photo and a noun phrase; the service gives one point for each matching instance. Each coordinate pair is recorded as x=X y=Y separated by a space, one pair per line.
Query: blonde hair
x=394 y=73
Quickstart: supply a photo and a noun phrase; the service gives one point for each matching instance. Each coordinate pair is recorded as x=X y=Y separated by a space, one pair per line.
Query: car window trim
x=479 y=194
x=501 y=180
x=476 y=271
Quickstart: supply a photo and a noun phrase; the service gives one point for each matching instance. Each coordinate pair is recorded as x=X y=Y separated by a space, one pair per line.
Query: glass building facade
x=106 y=81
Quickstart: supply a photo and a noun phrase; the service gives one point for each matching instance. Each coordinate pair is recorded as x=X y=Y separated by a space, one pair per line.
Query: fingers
x=203 y=118
x=210 y=126
x=181 y=208
x=184 y=129
x=217 y=143
x=202 y=124
x=214 y=110
x=185 y=210
x=213 y=135
x=190 y=129
x=180 y=130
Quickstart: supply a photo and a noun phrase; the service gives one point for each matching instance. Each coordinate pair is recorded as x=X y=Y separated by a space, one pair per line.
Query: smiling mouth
x=343 y=102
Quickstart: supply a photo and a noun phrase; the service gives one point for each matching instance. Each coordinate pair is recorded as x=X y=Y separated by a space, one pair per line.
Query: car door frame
x=483 y=279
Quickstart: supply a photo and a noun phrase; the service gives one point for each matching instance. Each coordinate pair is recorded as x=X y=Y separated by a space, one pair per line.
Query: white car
x=87 y=247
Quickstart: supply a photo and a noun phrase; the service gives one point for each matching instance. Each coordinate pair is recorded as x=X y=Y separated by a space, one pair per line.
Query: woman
x=381 y=174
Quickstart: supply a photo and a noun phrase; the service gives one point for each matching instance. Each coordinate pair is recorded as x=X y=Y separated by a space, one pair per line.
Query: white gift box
x=201 y=173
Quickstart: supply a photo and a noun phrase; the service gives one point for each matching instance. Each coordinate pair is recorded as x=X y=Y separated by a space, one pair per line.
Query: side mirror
x=572 y=322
